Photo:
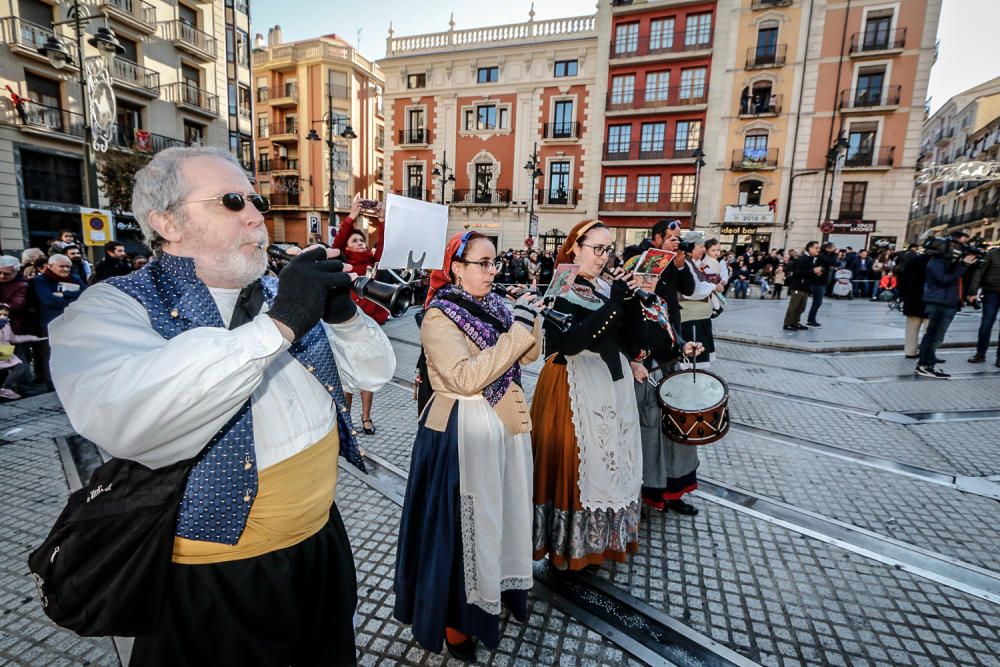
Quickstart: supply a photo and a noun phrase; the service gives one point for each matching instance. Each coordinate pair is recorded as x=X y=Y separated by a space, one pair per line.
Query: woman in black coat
x=911 y=289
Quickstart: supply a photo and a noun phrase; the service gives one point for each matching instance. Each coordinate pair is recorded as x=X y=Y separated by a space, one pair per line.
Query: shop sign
x=849 y=227
x=738 y=229
x=749 y=215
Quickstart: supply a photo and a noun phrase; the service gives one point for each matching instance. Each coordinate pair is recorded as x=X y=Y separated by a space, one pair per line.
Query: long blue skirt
x=430 y=577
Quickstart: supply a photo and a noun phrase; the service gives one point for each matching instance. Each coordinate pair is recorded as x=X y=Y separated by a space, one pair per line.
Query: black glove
x=619 y=291
x=340 y=306
x=303 y=289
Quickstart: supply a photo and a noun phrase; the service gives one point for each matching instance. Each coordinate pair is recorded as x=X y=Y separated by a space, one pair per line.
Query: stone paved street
x=830 y=435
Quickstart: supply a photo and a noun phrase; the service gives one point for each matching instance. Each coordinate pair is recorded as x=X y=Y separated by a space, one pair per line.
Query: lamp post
x=330 y=118
x=440 y=172
x=96 y=95
x=531 y=166
x=836 y=155
x=699 y=162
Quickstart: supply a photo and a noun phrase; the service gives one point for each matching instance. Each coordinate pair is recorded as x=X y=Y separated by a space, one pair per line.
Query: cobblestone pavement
x=770 y=593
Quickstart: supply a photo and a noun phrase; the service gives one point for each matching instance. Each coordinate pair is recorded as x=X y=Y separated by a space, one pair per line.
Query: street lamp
x=96 y=94
x=531 y=166
x=440 y=169
x=699 y=162
x=833 y=160
x=330 y=118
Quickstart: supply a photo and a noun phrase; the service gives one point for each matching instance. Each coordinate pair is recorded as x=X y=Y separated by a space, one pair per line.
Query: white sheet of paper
x=413 y=226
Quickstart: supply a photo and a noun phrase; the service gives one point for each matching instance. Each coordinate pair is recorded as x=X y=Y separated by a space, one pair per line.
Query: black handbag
x=103 y=570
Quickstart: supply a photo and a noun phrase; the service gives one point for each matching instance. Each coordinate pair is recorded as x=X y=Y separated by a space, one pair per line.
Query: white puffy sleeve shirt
x=156 y=401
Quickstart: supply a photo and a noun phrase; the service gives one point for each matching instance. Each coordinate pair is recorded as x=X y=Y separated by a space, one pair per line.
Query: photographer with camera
x=986 y=283
x=200 y=363
x=949 y=260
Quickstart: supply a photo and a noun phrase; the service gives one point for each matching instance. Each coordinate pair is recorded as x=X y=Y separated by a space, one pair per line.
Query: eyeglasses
x=600 y=250
x=237 y=201
x=485 y=264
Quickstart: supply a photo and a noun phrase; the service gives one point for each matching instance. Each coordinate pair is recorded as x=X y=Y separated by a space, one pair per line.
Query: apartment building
x=499 y=123
x=963 y=130
x=318 y=121
x=172 y=86
x=659 y=55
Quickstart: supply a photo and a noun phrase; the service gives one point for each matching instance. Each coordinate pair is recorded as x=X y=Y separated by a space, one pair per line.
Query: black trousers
x=292 y=607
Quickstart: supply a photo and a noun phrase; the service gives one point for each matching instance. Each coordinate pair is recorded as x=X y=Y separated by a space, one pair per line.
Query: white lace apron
x=495 y=488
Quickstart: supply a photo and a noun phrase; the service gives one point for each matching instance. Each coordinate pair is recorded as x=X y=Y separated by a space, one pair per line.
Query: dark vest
x=222 y=486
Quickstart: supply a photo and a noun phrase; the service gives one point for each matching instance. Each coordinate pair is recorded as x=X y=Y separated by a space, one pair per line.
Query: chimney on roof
x=258 y=42
x=276 y=36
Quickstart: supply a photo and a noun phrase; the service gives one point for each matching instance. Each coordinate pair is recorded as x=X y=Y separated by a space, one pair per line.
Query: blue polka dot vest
x=223 y=484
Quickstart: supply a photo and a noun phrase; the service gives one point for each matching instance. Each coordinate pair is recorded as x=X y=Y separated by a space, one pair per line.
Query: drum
x=695 y=407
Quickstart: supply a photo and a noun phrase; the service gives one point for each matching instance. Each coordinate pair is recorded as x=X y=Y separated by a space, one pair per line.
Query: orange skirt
x=563 y=530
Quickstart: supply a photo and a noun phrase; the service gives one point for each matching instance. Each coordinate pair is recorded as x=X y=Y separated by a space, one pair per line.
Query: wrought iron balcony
x=561 y=131
x=678 y=42
x=284 y=199
x=749 y=159
x=142 y=140
x=188 y=38
x=665 y=149
x=643 y=201
x=25 y=35
x=283 y=164
x=867 y=98
x=135 y=13
x=880 y=156
x=557 y=197
x=664 y=96
x=136 y=76
x=761 y=105
x=481 y=197
x=865 y=42
x=415 y=193
x=46 y=118
x=772 y=55
x=414 y=135
x=192 y=97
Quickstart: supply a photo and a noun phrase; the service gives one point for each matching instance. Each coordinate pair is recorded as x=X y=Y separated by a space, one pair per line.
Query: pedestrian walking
x=824 y=268
x=942 y=297
x=465 y=544
x=912 y=274
x=801 y=281
x=987 y=283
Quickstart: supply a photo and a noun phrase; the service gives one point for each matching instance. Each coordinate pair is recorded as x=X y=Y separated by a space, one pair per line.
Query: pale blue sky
x=970 y=46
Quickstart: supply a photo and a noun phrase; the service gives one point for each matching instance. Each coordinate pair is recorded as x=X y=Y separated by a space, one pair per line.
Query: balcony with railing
x=25 y=37
x=944 y=136
x=283 y=96
x=870 y=98
x=51 y=120
x=287 y=132
x=644 y=202
x=415 y=193
x=683 y=96
x=530 y=32
x=414 y=136
x=772 y=55
x=284 y=166
x=136 y=14
x=136 y=77
x=877 y=42
x=757 y=106
x=557 y=197
x=756 y=5
x=561 y=131
x=877 y=156
x=284 y=199
x=135 y=139
x=754 y=159
x=663 y=149
x=188 y=38
x=680 y=44
x=192 y=98
x=481 y=197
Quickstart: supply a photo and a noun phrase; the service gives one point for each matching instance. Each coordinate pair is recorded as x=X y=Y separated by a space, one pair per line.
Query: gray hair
x=55 y=257
x=8 y=262
x=159 y=186
x=31 y=254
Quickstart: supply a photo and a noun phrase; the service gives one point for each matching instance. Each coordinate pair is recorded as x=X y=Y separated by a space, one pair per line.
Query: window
x=562 y=127
x=852 y=200
x=47 y=110
x=263 y=129
x=657 y=86
x=565 y=68
x=558 y=182
x=38 y=13
x=626 y=38
x=129 y=119
x=622 y=89
x=750 y=192
x=415 y=126
x=682 y=189
x=488 y=75
x=688 y=137
x=651 y=139
x=263 y=162
x=692 y=83
x=242 y=48
x=661 y=35
x=619 y=138
x=378 y=100
x=754 y=144
x=648 y=191
x=194 y=133
x=484 y=179
x=869 y=90
x=767 y=44
x=861 y=144
x=614 y=189
x=379 y=169
x=486 y=117
x=415 y=181
x=502 y=118
x=877 y=29
x=699 y=30
x=416 y=80
x=51 y=177
x=187 y=15
x=245 y=104
x=231 y=89
x=131 y=53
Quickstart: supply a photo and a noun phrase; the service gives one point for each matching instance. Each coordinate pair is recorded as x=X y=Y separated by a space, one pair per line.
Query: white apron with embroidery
x=606 y=422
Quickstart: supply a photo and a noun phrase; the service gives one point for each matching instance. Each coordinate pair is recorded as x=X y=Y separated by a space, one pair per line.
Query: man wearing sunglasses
x=198 y=354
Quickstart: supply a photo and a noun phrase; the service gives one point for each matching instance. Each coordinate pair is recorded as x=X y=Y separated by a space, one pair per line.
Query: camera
x=368 y=204
x=685 y=246
x=947 y=247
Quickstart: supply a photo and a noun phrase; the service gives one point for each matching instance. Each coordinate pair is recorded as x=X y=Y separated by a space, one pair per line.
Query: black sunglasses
x=237 y=201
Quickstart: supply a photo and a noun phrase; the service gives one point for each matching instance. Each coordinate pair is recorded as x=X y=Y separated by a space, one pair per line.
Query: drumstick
x=694 y=357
